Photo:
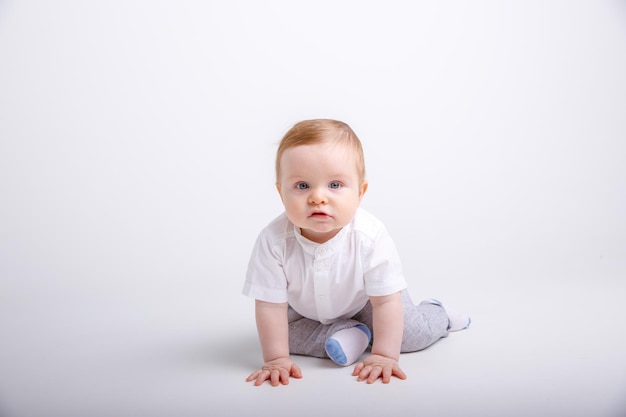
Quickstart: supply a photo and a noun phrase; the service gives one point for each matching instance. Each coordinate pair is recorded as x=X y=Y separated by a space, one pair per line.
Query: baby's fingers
x=363 y=372
x=275 y=375
x=259 y=376
x=263 y=376
x=358 y=368
x=253 y=376
x=375 y=373
x=284 y=376
x=398 y=372
x=279 y=376
x=387 y=372
x=295 y=371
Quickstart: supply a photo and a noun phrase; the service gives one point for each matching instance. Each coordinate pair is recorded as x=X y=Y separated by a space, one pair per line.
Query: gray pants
x=424 y=324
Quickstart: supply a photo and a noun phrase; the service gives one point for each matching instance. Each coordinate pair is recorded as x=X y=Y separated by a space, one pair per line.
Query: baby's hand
x=277 y=371
x=378 y=366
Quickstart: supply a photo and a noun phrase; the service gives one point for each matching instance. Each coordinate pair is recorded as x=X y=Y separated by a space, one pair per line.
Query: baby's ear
x=363 y=189
x=280 y=192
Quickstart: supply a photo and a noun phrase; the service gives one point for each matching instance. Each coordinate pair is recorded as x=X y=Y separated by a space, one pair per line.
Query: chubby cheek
x=292 y=205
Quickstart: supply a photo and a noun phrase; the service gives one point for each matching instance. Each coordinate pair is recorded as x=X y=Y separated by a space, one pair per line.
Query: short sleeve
x=265 y=277
x=382 y=268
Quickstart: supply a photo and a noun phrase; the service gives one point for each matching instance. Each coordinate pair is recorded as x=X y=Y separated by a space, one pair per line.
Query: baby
x=325 y=275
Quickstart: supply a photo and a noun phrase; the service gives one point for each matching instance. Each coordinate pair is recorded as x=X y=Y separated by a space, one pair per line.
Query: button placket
x=321 y=264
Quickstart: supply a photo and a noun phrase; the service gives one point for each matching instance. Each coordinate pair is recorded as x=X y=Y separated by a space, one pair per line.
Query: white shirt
x=329 y=281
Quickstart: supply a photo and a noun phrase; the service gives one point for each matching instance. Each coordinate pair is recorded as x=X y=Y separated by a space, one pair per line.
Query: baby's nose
x=317 y=197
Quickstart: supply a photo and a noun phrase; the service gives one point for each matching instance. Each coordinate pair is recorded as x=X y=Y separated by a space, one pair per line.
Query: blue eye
x=302 y=186
x=335 y=185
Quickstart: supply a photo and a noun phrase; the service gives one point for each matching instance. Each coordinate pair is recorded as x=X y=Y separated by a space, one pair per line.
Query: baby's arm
x=273 y=329
x=388 y=329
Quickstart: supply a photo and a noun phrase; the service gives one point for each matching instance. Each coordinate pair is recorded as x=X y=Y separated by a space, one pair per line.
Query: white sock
x=457 y=321
x=347 y=345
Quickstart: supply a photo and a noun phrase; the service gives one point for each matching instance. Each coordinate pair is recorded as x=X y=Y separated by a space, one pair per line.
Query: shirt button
x=322 y=251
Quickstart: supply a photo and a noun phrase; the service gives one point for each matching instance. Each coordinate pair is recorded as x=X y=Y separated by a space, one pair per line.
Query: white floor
x=537 y=347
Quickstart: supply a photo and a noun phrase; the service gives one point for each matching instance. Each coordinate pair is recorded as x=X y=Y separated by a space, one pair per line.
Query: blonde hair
x=315 y=131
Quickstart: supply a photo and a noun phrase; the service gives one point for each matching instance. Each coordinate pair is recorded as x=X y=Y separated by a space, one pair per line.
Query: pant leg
x=308 y=337
x=424 y=324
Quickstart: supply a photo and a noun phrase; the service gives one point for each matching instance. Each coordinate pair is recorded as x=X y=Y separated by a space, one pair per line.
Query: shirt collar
x=312 y=248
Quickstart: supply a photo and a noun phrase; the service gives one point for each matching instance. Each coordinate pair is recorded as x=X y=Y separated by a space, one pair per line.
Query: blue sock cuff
x=365 y=330
x=335 y=352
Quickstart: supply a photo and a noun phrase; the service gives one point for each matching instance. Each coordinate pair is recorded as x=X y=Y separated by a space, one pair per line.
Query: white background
x=136 y=169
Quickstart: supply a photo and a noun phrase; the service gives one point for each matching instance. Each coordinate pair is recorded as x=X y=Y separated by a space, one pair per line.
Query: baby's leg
x=424 y=324
x=308 y=337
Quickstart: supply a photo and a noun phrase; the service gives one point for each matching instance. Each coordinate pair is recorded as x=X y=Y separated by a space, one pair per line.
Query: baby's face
x=320 y=188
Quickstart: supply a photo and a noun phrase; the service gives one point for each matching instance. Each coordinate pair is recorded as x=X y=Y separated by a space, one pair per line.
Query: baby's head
x=316 y=131
x=320 y=176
